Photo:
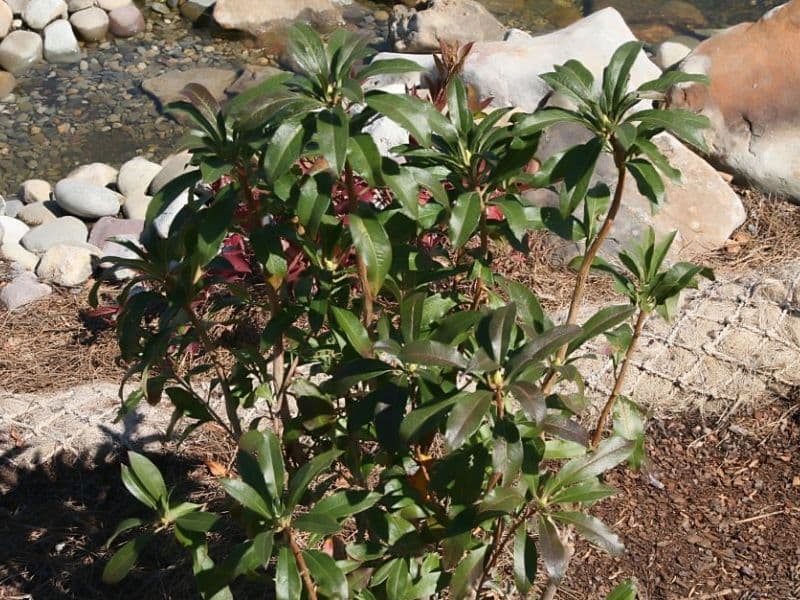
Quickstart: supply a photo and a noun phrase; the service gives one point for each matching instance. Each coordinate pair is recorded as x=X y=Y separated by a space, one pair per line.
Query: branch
x=301 y=565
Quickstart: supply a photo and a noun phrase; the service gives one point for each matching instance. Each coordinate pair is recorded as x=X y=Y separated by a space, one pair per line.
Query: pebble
x=39 y=213
x=63 y=230
x=65 y=265
x=99 y=174
x=22 y=290
x=12 y=230
x=86 y=200
x=60 y=43
x=15 y=253
x=35 y=190
x=20 y=50
x=38 y=13
x=126 y=21
x=92 y=25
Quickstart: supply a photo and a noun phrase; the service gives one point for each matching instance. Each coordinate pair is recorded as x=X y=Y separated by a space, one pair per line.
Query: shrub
x=404 y=392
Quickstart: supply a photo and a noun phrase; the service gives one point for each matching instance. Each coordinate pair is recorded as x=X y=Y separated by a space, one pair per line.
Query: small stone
x=109 y=227
x=13 y=207
x=64 y=230
x=12 y=230
x=60 y=43
x=99 y=174
x=39 y=213
x=74 y=6
x=136 y=205
x=6 y=18
x=20 y=50
x=109 y=5
x=136 y=175
x=24 y=289
x=38 y=13
x=65 y=265
x=86 y=200
x=17 y=6
x=35 y=190
x=173 y=166
x=15 y=253
x=126 y=21
x=7 y=84
x=381 y=15
x=160 y=8
x=117 y=250
x=92 y=25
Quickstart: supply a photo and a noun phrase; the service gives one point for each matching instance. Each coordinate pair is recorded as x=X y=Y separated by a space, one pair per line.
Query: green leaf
x=123 y=560
x=555 y=554
x=411 y=309
x=648 y=181
x=345 y=503
x=507 y=453
x=416 y=116
x=287 y=577
x=502 y=500
x=593 y=529
x=328 y=577
x=466 y=417
x=587 y=493
x=624 y=591
x=684 y=124
x=389 y=66
x=265 y=447
x=148 y=475
x=458 y=106
x=603 y=320
x=531 y=399
x=608 y=455
x=137 y=489
x=528 y=124
x=528 y=307
x=122 y=527
x=501 y=326
x=525 y=560
x=307 y=49
x=333 y=134
x=432 y=353
x=398 y=580
x=419 y=418
x=299 y=483
x=464 y=219
x=284 y=149
x=373 y=246
x=198 y=521
x=672 y=78
x=353 y=330
x=467 y=574
x=320 y=524
x=617 y=75
x=544 y=345
x=247 y=497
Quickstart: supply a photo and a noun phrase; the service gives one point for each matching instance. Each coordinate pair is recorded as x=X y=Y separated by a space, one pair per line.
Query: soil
x=716 y=514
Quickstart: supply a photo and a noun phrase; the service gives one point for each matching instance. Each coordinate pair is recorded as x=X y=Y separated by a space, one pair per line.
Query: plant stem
x=278 y=374
x=550 y=591
x=187 y=386
x=301 y=565
x=591 y=253
x=352 y=194
x=620 y=381
x=497 y=549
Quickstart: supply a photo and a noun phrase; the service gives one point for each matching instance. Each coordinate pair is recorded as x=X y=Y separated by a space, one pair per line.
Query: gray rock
x=15 y=253
x=109 y=5
x=35 y=190
x=116 y=250
x=252 y=75
x=163 y=222
x=6 y=17
x=64 y=230
x=99 y=174
x=39 y=213
x=74 y=6
x=12 y=230
x=110 y=227
x=24 y=289
x=20 y=50
x=90 y=23
x=60 y=43
x=167 y=87
x=86 y=200
x=462 y=21
x=65 y=265
x=257 y=18
x=194 y=9
x=13 y=207
x=173 y=166
x=38 y=13
x=126 y=21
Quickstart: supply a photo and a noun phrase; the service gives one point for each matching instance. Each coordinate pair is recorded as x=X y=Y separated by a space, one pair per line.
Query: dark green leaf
x=593 y=529
x=507 y=453
x=466 y=417
x=420 y=418
x=328 y=577
x=299 y=483
x=684 y=124
x=148 y=475
x=502 y=500
x=284 y=149
x=603 y=320
x=389 y=66
x=333 y=133
x=464 y=218
x=467 y=574
x=671 y=78
x=587 y=493
x=531 y=399
x=608 y=455
x=123 y=560
x=246 y=496
x=198 y=521
x=648 y=181
x=265 y=447
x=525 y=560
x=123 y=526
x=416 y=116
x=617 y=75
x=137 y=489
x=555 y=554
x=353 y=330
x=432 y=353
x=287 y=577
x=373 y=246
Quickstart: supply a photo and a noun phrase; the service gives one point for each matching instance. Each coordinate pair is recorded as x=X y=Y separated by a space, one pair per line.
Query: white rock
x=99 y=174
x=64 y=230
x=673 y=51
x=12 y=230
x=409 y=79
x=109 y=5
x=163 y=222
x=24 y=289
x=136 y=204
x=90 y=23
x=171 y=167
x=6 y=17
x=136 y=175
x=116 y=250
x=17 y=6
x=74 y=6
x=259 y=17
x=86 y=200
x=15 y=253
x=39 y=213
x=13 y=207
x=20 y=50
x=126 y=21
x=65 y=265
x=60 y=43
x=35 y=190
x=38 y=13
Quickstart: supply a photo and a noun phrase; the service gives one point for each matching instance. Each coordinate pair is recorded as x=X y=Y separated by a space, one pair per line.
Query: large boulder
x=167 y=87
x=257 y=18
x=20 y=50
x=462 y=21
x=753 y=100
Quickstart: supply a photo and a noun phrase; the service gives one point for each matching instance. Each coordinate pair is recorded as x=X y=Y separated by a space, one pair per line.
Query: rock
x=252 y=75
x=6 y=17
x=194 y=9
x=116 y=250
x=109 y=5
x=12 y=230
x=20 y=50
x=15 y=253
x=35 y=190
x=74 y=6
x=64 y=230
x=126 y=21
x=38 y=13
x=173 y=166
x=753 y=100
x=86 y=200
x=99 y=174
x=65 y=265
x=24 y=289
x=13 y=207
x=17 y=6
x=656 y=20
x=163 y=222
x=167 y=87
x=7 y=84
x=91 y=24
x=136 y=204
x=674 y=50
x=702 y=207
x=110 y=227
x=509 y=71
x=136 y=175
x=39 y=213
x=60 y=43
x=462 y=21
x=257 y=18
